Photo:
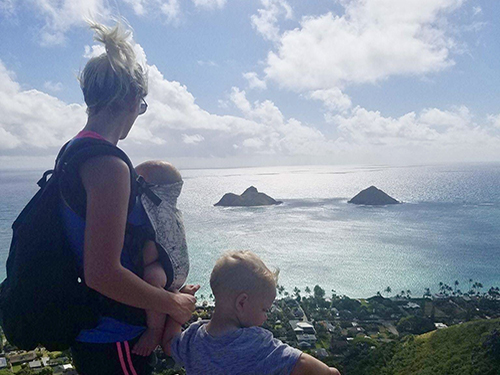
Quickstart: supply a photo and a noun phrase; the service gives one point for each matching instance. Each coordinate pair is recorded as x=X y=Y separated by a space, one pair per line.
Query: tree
x=46 y=371
x=427 y=293
x=456 y=285
x=281 y=289
x=296 y=292
x=415 y=325
x=388 y=290
x=319 y=293
x=308 y=291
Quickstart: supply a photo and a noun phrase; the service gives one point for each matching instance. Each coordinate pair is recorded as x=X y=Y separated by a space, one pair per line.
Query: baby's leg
x=171 y=326
x=154 y=274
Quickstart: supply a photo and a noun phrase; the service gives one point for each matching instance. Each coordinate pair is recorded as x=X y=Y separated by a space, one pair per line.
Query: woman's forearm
x=124 y=286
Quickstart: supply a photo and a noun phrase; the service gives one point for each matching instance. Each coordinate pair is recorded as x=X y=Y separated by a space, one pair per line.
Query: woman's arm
x=307 y=364
x=107 y=183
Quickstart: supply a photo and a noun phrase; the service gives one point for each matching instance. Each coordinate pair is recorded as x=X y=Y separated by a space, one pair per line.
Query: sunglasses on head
x=143 y=107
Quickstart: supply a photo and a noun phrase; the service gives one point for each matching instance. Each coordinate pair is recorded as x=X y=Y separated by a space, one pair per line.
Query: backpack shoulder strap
x=68 y=165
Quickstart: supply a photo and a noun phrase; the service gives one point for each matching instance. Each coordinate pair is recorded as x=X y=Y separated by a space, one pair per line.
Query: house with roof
x=36 y=364
x=18 y=359
x=304 y=331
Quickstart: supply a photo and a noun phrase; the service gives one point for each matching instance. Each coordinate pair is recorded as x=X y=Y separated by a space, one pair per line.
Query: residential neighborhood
x=332 y=329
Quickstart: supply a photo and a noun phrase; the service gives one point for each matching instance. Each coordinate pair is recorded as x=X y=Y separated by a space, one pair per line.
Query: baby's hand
x=190 y=289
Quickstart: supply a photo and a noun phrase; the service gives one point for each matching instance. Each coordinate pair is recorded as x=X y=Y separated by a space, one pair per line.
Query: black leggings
x=110 y=359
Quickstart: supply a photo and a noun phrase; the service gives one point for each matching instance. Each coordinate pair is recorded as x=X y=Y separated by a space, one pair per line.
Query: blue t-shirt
x=246 y=351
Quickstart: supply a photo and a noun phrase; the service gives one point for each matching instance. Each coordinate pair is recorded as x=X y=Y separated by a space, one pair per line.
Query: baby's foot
x=190 y=289
x=148 y=342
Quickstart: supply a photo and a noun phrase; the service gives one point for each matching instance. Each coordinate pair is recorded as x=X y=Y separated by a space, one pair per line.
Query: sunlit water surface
x=446 y=230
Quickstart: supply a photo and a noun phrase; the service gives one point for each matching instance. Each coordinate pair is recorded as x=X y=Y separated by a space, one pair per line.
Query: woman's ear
x=241 y=301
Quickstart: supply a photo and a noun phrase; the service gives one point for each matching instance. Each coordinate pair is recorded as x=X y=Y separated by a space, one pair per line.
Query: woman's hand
x=182 y=307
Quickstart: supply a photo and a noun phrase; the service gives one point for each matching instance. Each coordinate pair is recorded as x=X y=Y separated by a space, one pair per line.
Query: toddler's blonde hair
x=241 y=271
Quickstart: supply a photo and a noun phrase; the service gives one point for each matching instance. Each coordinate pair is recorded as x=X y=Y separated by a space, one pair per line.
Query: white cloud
x=373 y=40
x=60 y=16
x=53 y=86
x=32 y=120
x=460 y=117
x=192 y=139
x=333 y=99
x=138 y=6
x=207 y=63
x=279 y=136
x=446 y=135
x=7 y=6
x=266 y=22
x=494 y=120
x=254 y=82
x=94 y=51
x=172 y=10
x=476 y=10
x=253 y=143
x=209 y=4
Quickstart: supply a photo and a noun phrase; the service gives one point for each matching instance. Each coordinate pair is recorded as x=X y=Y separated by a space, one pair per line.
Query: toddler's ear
x=241 y=301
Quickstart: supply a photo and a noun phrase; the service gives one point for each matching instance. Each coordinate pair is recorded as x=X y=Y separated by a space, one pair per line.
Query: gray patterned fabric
x=168 y=225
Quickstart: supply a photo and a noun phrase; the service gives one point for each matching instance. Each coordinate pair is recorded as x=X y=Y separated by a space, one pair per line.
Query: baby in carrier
x=165 y=260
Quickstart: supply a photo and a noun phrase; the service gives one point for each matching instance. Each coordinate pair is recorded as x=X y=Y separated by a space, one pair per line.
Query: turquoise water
x=447 y=229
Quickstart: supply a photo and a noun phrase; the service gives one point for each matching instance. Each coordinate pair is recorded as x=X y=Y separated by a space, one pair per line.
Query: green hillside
x=471 y=348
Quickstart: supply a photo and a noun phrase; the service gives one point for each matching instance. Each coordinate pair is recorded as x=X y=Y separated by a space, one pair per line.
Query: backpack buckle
x=43 y=181
x=144 y=187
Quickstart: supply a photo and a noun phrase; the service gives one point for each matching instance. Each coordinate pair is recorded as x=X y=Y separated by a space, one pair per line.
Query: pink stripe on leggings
x=122 y=361
x=129 y=358
x=127 y=350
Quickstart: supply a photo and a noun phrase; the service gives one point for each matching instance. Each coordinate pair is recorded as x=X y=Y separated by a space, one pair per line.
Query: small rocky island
x=373 y=197
x=250 y=197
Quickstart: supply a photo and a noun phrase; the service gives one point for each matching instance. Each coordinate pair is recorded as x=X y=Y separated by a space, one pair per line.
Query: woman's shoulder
x=104 y=170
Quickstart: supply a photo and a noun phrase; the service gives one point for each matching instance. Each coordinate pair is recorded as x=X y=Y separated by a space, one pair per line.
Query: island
x=250 y=197
x=373 y=197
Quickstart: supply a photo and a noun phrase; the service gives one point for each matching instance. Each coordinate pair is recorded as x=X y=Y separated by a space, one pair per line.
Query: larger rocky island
x=250 y=197
x=373 y=197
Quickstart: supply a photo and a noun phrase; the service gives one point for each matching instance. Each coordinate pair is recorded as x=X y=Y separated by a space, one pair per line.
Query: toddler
x=233 y=342
x=166 y=261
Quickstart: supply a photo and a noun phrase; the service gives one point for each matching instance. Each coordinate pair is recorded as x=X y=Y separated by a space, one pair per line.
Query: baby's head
x=158 y=172
x=242 y=283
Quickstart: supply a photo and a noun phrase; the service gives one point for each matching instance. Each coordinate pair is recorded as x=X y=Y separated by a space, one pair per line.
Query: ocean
x=447 y=229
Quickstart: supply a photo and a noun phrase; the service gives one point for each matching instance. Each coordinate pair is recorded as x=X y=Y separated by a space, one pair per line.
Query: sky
x=265 y=82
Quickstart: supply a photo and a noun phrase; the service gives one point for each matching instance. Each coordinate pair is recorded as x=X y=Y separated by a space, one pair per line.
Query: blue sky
x=260 y=82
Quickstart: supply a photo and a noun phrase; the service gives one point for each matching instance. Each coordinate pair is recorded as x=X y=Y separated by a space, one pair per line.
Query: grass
x=455 y=350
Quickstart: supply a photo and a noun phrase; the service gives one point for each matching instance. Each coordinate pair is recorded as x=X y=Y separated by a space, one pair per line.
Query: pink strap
x=129 y=358
x=122 y=361
x=89 y=134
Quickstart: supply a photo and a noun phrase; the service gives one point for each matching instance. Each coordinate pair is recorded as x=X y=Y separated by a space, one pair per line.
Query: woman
x=114 y=86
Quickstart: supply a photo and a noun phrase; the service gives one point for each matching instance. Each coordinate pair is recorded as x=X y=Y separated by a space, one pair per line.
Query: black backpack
x=44 y=299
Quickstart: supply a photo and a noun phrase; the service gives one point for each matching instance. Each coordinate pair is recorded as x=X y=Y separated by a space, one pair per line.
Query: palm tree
x=308 y=291
x=427 y=293
x=456 y=285
x=388 y=290
x=296 y=291
x=408 y=294
x=281 y=289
